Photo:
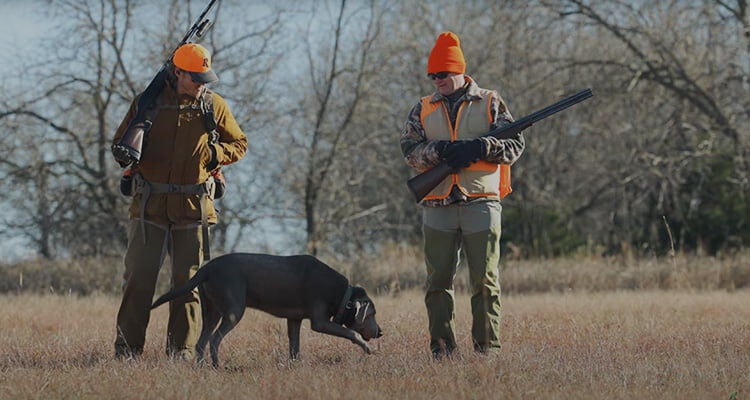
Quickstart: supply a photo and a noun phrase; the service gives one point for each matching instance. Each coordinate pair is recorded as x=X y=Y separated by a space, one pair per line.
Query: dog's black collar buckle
x=339 y=318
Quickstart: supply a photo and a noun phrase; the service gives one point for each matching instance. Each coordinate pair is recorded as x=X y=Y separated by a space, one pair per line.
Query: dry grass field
x=613 y=345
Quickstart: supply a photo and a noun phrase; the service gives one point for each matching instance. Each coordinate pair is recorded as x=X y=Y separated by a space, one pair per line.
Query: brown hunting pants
x=144 y=258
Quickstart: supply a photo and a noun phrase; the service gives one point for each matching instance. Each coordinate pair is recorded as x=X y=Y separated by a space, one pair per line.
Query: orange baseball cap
x=446 y=55
x=196 y=60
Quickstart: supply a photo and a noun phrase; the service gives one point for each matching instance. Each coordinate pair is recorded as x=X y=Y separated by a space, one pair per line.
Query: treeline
x=656 y=162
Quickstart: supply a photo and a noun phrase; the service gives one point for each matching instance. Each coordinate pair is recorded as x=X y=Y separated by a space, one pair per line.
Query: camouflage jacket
x=421 y=153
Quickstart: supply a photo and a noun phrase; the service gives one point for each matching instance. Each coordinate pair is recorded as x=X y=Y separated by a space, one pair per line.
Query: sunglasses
x=181 y=71
x=439 y=75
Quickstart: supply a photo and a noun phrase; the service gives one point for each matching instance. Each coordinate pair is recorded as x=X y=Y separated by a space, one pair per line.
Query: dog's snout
x=369 y=330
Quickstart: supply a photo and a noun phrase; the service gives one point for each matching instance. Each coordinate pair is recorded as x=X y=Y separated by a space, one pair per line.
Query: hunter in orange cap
x=196 y=60
x=173 y=188
x=462 y=213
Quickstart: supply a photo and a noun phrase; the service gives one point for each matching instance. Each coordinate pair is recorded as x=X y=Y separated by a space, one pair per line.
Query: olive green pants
x=473 y=229
x=143 y=260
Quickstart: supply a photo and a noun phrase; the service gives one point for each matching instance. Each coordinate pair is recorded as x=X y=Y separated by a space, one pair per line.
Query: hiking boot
x=486 y=350
x=181 y=355
x=445 y=352
x=125 y=353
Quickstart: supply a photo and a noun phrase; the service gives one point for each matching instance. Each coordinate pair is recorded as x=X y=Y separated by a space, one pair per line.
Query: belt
x=205 y=190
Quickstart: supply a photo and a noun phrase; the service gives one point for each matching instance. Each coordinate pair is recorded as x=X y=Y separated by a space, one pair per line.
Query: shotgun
x=128 y=149
x=423 y=183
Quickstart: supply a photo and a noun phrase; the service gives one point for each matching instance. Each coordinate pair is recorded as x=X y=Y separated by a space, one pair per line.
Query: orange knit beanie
x=446 y=55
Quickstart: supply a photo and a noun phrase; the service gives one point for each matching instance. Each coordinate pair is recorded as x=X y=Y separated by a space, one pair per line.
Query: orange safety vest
x=480 y=179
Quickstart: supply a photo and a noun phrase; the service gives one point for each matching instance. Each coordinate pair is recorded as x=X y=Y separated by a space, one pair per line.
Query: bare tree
x=665 y=139
x=71 y=205
x=694 y=58
x=329 y=140
x=67 y=115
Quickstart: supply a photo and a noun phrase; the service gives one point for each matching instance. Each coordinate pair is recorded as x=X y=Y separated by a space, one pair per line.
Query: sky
x=22 y=25
x=20 y=21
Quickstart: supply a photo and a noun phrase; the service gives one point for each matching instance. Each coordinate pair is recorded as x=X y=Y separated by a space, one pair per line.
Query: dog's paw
x=359 y=341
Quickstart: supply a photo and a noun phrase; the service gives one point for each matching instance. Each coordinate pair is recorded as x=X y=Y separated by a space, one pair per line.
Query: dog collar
x=342 y=307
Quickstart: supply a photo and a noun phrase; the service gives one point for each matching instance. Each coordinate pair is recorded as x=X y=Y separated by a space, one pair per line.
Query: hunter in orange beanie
x=461 y=215
x=446 y=55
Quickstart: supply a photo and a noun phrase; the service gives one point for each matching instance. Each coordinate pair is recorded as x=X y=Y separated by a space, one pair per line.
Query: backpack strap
x=209 y=119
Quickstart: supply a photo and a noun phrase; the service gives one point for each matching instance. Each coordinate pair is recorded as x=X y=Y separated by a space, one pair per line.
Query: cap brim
x=204 y=77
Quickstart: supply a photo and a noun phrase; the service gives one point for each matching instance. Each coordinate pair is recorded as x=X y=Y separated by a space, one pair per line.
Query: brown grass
x=614 y=345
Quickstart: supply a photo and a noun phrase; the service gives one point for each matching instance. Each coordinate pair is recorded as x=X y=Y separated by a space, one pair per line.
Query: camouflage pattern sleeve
x=502 y=151
x=419 y=152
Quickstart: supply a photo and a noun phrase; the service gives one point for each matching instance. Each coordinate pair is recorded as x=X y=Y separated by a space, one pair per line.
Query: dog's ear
x=360 y=311
x=358 y=292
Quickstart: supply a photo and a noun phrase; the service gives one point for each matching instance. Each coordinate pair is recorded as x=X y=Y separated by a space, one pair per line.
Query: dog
x=293 y=287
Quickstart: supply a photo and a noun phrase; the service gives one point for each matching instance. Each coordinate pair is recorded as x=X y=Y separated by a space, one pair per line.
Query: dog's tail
x=196 y=280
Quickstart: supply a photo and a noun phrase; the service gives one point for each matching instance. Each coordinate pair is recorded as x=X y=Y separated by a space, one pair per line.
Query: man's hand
x=463 y=153
x=442 y=146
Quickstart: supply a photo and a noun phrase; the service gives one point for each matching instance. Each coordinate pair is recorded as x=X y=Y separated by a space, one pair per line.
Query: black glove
x=442 y=146
x=126 y=182
x=461 y=155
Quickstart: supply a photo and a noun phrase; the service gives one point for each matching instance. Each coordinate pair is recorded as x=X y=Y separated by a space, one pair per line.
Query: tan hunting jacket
x=176 y=151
